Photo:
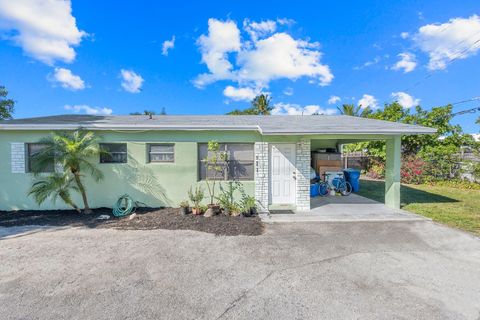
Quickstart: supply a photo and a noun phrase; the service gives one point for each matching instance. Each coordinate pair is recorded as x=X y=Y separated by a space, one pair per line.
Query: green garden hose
x=124 y=206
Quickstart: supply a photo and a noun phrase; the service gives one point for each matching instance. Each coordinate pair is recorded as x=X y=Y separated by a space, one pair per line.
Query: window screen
x=239 y=165
x=161 y=153
x=34 y=149
x=113 y=153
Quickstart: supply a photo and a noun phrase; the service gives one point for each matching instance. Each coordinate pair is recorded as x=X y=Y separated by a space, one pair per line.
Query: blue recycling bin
x=353 y=177
x=314 y=190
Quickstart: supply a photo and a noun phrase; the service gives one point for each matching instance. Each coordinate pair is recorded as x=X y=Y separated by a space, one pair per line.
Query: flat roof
x=266 y=125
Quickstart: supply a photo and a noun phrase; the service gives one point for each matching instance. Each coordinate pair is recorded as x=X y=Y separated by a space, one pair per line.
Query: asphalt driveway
x=391 y=270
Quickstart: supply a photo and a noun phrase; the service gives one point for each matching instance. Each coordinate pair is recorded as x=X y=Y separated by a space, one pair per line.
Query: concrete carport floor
x=351 y=208
x=389 y=270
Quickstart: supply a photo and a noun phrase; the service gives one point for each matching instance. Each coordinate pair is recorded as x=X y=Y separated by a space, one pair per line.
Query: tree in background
x=73 y=152
x=440 y=152
x=149 y=113
x=260 y=106
x=355 y=111
x=6 y=105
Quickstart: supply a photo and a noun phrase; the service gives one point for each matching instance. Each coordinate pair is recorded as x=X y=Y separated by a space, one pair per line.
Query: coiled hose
x=124 y=206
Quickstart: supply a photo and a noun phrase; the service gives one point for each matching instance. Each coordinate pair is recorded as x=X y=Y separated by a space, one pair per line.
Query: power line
x=465 y=101
x=471 y=110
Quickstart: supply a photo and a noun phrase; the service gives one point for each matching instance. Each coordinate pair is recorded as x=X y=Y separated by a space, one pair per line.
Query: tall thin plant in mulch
x=215 y=162
x=72 y=153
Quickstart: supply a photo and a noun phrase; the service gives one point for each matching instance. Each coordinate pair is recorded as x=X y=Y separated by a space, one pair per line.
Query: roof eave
x=105 y=127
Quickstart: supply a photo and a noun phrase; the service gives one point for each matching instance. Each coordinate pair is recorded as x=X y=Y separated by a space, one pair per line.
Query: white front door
x=282 y=173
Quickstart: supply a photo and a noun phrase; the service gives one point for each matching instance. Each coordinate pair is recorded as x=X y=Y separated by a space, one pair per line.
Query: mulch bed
x=144 y=219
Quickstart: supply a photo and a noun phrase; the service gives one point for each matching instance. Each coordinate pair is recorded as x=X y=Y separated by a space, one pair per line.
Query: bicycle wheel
x=346 y=188
x=323 y=189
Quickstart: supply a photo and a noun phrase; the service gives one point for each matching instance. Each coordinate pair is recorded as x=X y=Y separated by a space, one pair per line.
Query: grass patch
x=454 y=207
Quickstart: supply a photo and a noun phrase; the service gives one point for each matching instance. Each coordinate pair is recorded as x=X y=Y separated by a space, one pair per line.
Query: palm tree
x=73 y=153
x=55 y=186
x=262 y=104
x=355 y=111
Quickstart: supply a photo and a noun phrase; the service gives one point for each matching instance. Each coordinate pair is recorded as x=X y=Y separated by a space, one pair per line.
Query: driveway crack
x=235 y=302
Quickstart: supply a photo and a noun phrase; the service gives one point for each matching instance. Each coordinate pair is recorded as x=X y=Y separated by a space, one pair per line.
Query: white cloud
x=89 y=110
x=333 y=99
x=404 y=35
x=288 y=91
x=259 y=29
x=369 y=63
x=45 y=30
x=131 y=81
x=265 y=58
x=455 y=39
x=222 y=38
x=281 y=56
x=167 y=45
x=67 y=79
x=368 y=101
x=238 y=94
x=407 y=62
x=405 y=100
x=295 y=109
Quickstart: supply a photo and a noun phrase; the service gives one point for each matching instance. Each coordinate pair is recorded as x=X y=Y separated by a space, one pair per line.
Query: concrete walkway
x=344 y=209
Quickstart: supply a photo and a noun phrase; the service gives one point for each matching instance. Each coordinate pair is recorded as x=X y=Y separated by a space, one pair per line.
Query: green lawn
x=457 y=208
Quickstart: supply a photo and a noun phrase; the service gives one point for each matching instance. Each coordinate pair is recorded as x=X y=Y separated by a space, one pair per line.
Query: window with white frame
x=32 y=151
x=161 y=152
x=239 y=164
x=113 y=153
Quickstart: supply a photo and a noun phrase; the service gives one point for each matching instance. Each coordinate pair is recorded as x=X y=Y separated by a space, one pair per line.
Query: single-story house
x=157 y=159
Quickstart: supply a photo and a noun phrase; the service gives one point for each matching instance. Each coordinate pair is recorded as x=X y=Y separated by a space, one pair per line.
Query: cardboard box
x=321 y=170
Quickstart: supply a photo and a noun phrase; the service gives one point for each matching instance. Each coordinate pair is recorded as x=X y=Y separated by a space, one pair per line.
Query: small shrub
x=376 y=170
x=412 y=170
x=196 y=196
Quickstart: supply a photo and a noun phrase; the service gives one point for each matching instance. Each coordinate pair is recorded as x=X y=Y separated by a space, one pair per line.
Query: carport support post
x=392 y=172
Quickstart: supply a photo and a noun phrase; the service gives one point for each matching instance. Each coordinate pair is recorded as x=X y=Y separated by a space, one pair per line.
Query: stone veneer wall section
x=17 y=157
x=303 y=175
x=261 y=175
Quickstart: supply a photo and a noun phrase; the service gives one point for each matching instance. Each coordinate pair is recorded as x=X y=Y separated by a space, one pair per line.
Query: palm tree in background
x=261 y=103
x=355 y=111
x=260 y=106
x=73 y=152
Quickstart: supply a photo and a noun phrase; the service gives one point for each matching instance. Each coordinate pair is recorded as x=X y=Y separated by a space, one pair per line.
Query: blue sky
x=108 y=56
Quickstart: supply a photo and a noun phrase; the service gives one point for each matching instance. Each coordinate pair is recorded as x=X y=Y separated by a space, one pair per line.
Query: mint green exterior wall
x=156 y=184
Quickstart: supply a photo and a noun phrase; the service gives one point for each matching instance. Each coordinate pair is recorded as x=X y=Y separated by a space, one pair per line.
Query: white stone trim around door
x=261 y=175
x=303 y=175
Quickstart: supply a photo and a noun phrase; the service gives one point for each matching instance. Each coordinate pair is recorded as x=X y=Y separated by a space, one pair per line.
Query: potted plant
x=184 y=207
x=196 y=196
x=249 y=206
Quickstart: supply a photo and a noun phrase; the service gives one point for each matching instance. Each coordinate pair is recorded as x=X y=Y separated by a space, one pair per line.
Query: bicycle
x=338 y=184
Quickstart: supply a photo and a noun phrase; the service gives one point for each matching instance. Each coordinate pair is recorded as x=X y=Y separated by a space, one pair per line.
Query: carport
x=392 y=167
x=284 y=157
